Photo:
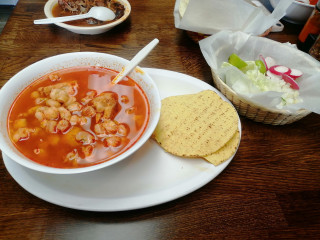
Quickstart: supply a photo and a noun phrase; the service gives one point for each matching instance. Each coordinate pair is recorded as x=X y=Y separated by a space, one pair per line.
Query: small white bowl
x=25 y=77
x=89 y=30
x=297 y=12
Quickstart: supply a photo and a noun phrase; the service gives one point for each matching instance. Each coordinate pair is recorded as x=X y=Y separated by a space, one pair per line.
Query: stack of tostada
x=198 y=125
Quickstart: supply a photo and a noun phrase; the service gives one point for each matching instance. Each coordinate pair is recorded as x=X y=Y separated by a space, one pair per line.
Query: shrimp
x=59 y=95
x=88 y=111
x=87 y=150
x=113 y=141
x=123 y=130
x=89 y=96
x=40 y=100
x=73 y=157
x=63 y=125
x=54 y=77
x=21 y=134
x=110 y=126
x=74 y=107
x=51 y=126
x=99 y=129
x=52 y=103
x=49 y=113
x=85 y=138
x=74 y=120
x=105 y=100
x=64 y=113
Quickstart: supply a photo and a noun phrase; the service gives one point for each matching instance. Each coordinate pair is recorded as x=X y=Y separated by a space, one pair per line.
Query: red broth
x=75 y=117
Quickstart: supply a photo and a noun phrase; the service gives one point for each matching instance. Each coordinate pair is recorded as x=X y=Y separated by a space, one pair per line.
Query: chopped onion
x=279 y=70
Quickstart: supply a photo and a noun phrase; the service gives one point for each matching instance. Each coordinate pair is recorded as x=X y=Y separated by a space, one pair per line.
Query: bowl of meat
x=90 y=26
x=63 y=114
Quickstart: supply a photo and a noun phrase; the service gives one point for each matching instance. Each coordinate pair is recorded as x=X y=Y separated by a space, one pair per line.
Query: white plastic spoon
x=135 y=61
x=99 y=13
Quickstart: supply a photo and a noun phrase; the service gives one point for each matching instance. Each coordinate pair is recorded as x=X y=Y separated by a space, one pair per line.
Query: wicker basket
x=255 y=112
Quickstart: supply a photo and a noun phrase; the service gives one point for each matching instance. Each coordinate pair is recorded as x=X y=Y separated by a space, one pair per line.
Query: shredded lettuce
x=266 y=83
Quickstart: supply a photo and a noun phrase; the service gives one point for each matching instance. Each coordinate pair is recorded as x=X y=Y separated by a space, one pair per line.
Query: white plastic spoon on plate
x=99 y=13
x=135 y=61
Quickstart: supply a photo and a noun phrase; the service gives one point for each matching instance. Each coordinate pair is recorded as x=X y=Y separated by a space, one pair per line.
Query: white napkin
x=211 y=16
x=217 y=48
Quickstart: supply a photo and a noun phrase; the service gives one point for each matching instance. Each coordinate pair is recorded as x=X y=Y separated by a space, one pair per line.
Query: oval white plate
x=149 y=177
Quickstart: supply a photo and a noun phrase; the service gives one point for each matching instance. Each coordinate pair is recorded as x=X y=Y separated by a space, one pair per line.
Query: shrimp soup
x=76 y=117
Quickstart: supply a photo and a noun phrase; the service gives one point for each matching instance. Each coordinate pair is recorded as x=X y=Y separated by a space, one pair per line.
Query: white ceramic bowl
x=22 y=79
x=88 y=30
x=297 y=12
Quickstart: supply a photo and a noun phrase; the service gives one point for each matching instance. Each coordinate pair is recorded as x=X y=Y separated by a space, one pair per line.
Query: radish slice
x=271 y=75
x=295 y=73
x=270 y=62
x=290 y=80
x=279 y=70
x=264 y=61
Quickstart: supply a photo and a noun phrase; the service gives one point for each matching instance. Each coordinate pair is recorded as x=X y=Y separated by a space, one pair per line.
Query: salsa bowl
x=88 y=30
x=29 y=76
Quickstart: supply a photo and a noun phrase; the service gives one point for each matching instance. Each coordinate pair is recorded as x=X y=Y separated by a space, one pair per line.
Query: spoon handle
x=135 y=60
x=61 y=19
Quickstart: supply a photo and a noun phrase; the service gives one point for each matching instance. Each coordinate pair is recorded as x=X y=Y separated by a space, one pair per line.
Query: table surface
x=271 y=189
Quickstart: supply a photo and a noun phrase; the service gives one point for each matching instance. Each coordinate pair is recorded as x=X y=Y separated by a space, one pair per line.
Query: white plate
x=149 y=177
